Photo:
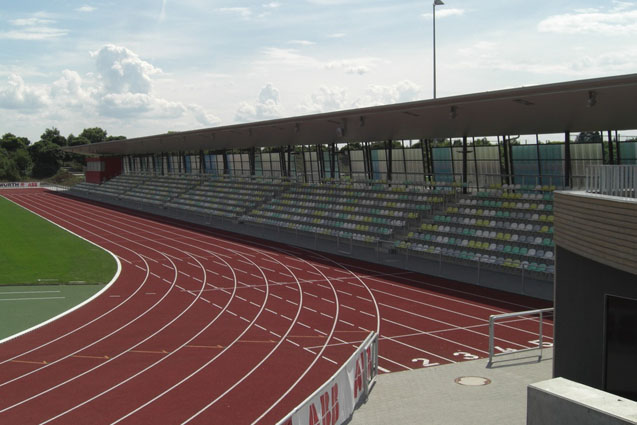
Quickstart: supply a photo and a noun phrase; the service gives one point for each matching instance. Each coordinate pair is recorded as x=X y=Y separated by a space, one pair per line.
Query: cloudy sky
x=149 y=66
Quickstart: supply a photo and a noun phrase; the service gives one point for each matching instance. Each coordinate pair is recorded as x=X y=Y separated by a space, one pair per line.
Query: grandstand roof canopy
x=608 y=103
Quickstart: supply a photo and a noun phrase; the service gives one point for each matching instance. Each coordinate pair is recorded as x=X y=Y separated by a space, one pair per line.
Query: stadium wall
x=595 y=287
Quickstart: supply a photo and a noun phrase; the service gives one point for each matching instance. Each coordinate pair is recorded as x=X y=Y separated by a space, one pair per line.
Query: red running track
x=204 y=326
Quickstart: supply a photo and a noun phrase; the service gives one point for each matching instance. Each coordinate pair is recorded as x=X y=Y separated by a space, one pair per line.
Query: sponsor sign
x=19 y=185
x=336 y=400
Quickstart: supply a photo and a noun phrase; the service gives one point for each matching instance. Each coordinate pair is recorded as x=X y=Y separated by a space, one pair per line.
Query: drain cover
x=472 y=381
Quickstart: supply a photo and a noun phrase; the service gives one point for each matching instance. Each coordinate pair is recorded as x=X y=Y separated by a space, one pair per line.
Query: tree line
x=20 y=159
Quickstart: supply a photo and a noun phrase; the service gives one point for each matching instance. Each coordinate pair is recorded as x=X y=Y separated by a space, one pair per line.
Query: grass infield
x=34 y=251
x=44 y=270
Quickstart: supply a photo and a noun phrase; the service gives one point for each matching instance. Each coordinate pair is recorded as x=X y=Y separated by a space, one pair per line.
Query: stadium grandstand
x=240 y=295
x=381 y=184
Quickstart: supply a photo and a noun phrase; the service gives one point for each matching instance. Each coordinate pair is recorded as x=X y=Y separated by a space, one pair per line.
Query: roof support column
x=464 y=164
x=619 y=152
x=251 y=160
x=567 y=159
x=332 y=160
x=611 y=153
x=539 y=161
x=226 y=167
x=475 y=164
x=282 y=166
x=388 y=159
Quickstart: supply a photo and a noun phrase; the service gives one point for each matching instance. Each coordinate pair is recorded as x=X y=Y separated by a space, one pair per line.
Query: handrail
x=494 y=317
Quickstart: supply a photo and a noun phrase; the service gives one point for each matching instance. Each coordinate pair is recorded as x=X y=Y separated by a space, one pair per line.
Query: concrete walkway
x=430 y=396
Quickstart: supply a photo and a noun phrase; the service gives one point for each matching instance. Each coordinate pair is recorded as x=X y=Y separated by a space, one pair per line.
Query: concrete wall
x=596 y=239
x=563 y=402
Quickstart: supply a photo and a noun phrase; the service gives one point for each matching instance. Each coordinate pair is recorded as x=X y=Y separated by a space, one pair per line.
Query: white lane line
x=347 y=323
x=285 y=317
x=241 y=298
x=326 y=315
x=276 y=296
x=271 y=311
x=328 y=359
x=366 y=313
x=255 y=304
x=311 y=309
x=39 y=298
x=310 y=294
x=30 y=292
x=348 y=307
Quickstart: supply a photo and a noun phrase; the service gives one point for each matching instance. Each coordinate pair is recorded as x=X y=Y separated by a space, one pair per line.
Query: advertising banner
x=336 y=400
x=19 y=185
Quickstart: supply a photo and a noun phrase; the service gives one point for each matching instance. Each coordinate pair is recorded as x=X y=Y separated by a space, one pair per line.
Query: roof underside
x=608 y=103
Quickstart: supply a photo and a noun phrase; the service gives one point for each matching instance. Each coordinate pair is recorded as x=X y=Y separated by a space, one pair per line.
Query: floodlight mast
x=436 y=3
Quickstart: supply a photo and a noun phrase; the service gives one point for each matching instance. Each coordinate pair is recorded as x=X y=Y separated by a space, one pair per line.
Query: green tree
x=77 y=140
x=94 y=134
x=52 y=135
x=8 y=169
x=111 y=138
x=11 y=142
x=23 y=162
x=47 y=158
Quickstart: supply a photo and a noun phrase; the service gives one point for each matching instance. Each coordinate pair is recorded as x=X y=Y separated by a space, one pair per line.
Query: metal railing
x=613 y=180
x=495 y=317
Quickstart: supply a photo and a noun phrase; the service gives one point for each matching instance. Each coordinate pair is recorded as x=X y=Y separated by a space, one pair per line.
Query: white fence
x=340 y=395
x=613 y=180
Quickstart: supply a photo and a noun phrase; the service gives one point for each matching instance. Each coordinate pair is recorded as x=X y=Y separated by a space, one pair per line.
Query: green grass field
x=34 y=251
x=44 y=270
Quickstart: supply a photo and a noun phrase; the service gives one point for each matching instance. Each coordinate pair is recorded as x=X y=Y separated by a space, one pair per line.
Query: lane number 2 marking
x=425 y=362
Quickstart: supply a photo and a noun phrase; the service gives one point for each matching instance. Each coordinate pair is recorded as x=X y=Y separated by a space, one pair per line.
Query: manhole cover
x=472 y=381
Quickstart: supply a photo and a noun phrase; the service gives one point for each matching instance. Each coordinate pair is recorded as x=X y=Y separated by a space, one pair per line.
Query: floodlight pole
x=435 y=3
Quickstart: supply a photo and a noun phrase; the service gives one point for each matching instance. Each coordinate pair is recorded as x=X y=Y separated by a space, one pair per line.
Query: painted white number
x=545 y=344
x=465 y=355
x=425 y=362
x=505 y=350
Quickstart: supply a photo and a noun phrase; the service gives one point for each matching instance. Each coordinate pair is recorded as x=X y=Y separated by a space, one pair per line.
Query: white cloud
x=326 y=99
x=616 y=22
x=34 y=28
x=85 y=9
x=302 y=42
x=121 y=70
x=265 y=108
x=162 y=12
x=272 y=5
x=243 y=12
x=17 y=95
x=403 y=91
x=359 y=66
x=445 y=13
x=69 y=91
x=204 y=117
